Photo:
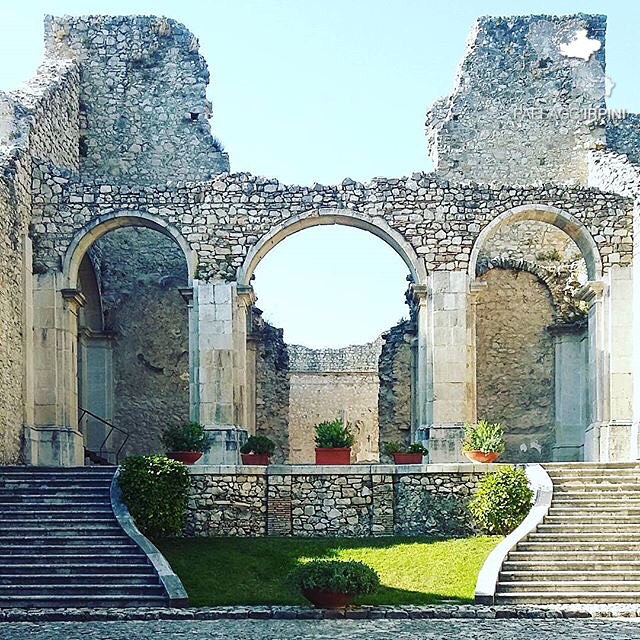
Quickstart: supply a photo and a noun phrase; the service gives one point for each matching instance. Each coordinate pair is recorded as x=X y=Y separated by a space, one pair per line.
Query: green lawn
x=252 y=571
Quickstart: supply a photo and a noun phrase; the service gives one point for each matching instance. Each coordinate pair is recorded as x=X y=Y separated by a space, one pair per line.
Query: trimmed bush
x=501 y=501
x=400 y=447
x=338 y=576
x=189 y=436
x=258 y=444
x=155 y=490
x=333 y=435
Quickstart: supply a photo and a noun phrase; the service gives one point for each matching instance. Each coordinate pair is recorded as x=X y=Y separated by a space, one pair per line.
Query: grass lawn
x=252 y=571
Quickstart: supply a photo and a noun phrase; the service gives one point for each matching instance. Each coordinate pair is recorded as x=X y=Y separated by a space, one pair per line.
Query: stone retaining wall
x=317 y=501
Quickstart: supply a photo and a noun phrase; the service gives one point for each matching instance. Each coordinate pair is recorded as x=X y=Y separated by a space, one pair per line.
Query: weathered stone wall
x=623 y=136
x=515 y=362
x=613 y=172
x=355 y=357
x=526 y=106
x=38 y=123
x=321 y=396
x=143 y=98
x=140 y=275
x=310 y=501
x=272 y=386
x=395 y=370
x=224 y=218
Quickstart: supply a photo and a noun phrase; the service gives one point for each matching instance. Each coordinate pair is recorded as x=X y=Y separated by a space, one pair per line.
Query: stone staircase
x=587 y=549
x=61 y=545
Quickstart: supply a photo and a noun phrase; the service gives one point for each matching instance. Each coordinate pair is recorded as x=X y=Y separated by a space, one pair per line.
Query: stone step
x=549 y=575
x=568 y=597
x=562 y=527
x=85 y=469
x=629 y=537
x=41 y=549
x=70 y=569
x=72 y=558
x=143 y=578
x=551 y=467
x=602 y=490
x=621 y=554
x=54 y=500
x=69 y=494
x=565 y=586
x=93 y=513
x=73 y=601
x=15 y=521
x=569 y=515
x=564 y=547
x=86 y=589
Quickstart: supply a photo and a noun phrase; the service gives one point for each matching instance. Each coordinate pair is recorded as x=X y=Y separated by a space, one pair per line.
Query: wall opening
x=133 y=338
x=331 y=337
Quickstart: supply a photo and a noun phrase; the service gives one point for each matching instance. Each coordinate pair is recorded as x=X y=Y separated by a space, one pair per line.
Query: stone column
x=218 y=337
x=450 y=400
x=616 y=436
x=571 y=391
x=54 y=439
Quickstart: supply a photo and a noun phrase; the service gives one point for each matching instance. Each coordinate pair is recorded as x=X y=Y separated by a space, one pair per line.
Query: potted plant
x=257 y=450
x=403 y=453
x=333 y=584
x=186 y=442
x=333 y=442
x=483 y=442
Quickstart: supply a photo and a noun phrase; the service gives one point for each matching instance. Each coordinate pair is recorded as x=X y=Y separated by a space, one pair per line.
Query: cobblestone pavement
x=573 y=629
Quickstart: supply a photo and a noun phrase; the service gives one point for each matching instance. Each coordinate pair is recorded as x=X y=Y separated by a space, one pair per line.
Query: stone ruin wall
x=271 y=369
x=515 y=366
x=38 y=124
x=395 y=367
x=523 y=109
x=143 y=106
x=303 y=501
x=334 y=383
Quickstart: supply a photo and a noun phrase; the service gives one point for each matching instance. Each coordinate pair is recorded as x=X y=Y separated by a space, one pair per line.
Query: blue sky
x=318 y=90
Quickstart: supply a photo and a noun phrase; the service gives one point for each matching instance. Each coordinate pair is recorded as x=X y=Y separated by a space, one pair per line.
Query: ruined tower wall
x=524 y=106
x=144 y=111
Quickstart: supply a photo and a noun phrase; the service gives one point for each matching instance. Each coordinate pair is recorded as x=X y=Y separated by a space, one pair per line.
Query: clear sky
x=319 y=90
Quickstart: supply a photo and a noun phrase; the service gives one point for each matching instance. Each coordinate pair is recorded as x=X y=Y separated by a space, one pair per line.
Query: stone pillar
x=218 y=336
x=450 y=393
x=571 y=391
x=54 y=439
x=616 y=436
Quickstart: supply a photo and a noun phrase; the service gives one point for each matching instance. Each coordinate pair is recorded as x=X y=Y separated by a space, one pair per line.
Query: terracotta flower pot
x=481 y=456
x=255 y=458
x=328 y=599
x=407 y=458
x=188 y=457
x=333 y=456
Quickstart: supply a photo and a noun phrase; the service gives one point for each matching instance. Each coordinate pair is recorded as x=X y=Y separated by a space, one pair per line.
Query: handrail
x=112 y=428
x=541 y=484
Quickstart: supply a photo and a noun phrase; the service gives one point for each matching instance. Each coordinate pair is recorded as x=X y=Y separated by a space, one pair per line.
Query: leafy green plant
x=337 y=576
x=189 y=436
x=501 y=501
x=483 y=436
x=155 y=490
x=333 y=435
x=401 y=447
x=258 y=444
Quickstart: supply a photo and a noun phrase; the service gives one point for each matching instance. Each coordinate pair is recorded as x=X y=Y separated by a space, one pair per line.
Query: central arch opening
x=331 y=336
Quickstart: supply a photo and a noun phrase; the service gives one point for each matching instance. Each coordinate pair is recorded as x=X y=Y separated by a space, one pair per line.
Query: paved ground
x=574 y=629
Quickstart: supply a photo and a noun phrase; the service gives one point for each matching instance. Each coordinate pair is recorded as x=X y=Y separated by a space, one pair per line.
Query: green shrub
x=189 y=436
x=400 y=447
x=333 y=435
x=485 y=437
x=155 y=490
x=258 y=444
x=501 y=501
x=339 y=576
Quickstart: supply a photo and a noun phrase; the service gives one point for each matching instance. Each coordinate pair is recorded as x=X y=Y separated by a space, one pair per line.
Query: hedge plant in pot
x=333 y=442
x=257 y=450
x=334 y=584
x=483 y=441
x=186 y=442
x=403 y=453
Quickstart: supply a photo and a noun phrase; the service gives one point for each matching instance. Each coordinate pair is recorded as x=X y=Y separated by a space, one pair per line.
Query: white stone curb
x=541 y=485
x=172 y=584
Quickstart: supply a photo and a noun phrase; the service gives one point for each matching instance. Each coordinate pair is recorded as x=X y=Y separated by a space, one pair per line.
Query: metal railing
x=110 y=429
